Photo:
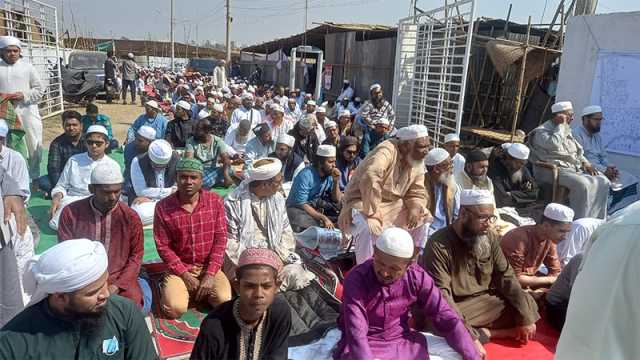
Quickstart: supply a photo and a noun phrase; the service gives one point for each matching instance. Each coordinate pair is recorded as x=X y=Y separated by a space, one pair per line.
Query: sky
x=257 y=21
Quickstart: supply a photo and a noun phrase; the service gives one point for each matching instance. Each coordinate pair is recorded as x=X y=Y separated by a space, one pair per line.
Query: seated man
x=467 y=264
x=211 y=151
x=374 y=136
x=219 y=121
x=347 y=160
x=452 y=145
x=260 y=146
x=306 y=139
x=74 y=181
x=238 y=138
x=331 y=131
x=72 y=315
x=278 y=122
x=315 y=195
x=140 y=144
x=553 y=142
x=576 y=241
x=292 y=163
x=255 y=325
x=387 y=189
x=474 y=176
x=63 y=147
x=152 y=118
x=153 y=178
x=104 y=218
x=190 y=230
x=530 y=246
x=378 y=297
x=93 y=117
x=443 y=195
x=180 y=129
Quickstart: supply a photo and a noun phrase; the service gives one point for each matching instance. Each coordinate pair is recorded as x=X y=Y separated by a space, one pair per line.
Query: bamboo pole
x=520 y=83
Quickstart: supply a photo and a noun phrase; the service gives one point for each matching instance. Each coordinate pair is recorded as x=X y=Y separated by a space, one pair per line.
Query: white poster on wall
x=616 y=88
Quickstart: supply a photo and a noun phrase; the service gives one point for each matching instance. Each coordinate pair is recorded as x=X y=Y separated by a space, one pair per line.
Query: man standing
x=73 y=315
x=110 y=81
x=377 y=301
x=64 y=147
x=129 y=72
x=102 y=217
x=220 y=75
x=152 y=118
x=553 y=142
x=387 y=189
x=452 y=145
x=443 y=195
x=20 y=84
x=190 y=230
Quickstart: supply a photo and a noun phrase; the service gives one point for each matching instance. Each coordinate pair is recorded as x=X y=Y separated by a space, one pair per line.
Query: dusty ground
x=122 y=116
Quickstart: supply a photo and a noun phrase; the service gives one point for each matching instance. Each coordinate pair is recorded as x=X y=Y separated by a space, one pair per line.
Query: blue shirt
x=308 y=186
x=130 y=152
x=345 y=171
x=159 y=124
x=370 y=140
x=101 y=119
x=440 y=215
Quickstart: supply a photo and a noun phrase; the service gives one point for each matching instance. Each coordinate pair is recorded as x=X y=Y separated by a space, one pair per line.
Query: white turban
x=436 y=156
x=593 y=109
x=269 y=169
x=561 y=106
x=412 y=132
x=4 y=128
x=160 y=152
x=396 y=242
x=476 y=197
x=558 y=212
x=6 y=41
x=286 y=139
x=203 y=114
x=66 y=267
x=147 y=132
x=518 y=151
x=451 y=137
x=326 y=151
x=106 y=174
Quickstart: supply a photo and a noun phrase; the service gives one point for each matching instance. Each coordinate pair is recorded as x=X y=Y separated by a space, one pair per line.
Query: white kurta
x=23 y=77
x=603 y=320
x=243 y=113
x=458 y=164
x=574 y=242
x=15 y=165
x=146 y=210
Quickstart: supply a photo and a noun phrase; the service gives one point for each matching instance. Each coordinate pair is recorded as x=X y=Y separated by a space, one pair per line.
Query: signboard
x=104 y=46
x=328 y=74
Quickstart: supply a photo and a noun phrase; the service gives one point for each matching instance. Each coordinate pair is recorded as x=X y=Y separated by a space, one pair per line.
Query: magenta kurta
x=374 y=317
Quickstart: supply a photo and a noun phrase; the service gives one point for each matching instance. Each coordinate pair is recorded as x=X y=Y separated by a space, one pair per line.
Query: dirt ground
x=122 y=116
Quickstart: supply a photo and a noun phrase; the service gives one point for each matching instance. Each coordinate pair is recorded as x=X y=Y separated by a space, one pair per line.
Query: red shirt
x=185 y=239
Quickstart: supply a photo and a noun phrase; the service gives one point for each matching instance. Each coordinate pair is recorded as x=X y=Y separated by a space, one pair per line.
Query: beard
x=596 y=129
x=446 y=179
x=517 y=177
x=477 y=244
x=88 y=323
x=478 y=178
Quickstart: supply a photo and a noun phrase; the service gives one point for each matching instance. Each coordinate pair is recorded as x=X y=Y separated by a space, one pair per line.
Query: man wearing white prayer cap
x=152 y=117
x=315 y=196
x=140 y=145
x=374 y=135
x=292 y=163
x=588 y=135
x=489 y=311
x=153 y=178
x=129 y=71
x=554 y=143
x=73 y=315
x=20 y=83
x=321 y=117
x=373 y=109
x=332 y=133
x=347 y=90
x=443 y=195
x=279 y=123
x=387 y=189
x=245 y=112
x=104 y=218
x=392 y=277
x=257 y=218
x=452 y=145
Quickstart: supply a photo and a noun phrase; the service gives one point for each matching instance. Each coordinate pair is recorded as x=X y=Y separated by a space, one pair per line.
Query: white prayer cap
x=153 y=104
x=97 y=129
x=264 y=169
x=311 y=102
x=321 y=109
x=396 y=242
x=476 y=197
x=451 y=137
x=412 y=132
x=561 y=106
x=130 y=55
x=506 y=145
x=66 y=267
x=251 y=89
x=247 y=96
x=374 y=87
x=6 y=41
x=286 y=139
x=203 y=114
x=184 y=104
x=225 y=89
x=558 y=212
x=199 y=88
x=308 y=121
x=147 y=132
x=381 y=121
x=218 y=108
x=344 y=113
x=436 y=156
x=518 y=151
x=346 y=81
x=326 y=151
x=277 y=107
x=160 y=152
x=593 y=109
x=106 y=174
x=4 y=128
x=330 y=124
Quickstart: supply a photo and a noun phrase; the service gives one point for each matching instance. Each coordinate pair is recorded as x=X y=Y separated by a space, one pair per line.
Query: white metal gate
x=432 y=58
x=36 y=25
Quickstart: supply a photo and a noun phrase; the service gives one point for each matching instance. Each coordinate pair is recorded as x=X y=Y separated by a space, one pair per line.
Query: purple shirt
x=374 y=317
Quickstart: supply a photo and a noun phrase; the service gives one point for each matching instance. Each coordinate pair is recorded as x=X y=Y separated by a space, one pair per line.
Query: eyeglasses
x=94 y=143
x=491 y=219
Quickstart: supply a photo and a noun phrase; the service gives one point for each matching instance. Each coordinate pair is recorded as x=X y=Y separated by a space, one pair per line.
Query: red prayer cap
x=260 y=256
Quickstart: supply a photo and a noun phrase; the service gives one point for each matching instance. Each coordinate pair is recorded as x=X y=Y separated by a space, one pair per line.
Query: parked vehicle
x=203 y=66
x=83 y=76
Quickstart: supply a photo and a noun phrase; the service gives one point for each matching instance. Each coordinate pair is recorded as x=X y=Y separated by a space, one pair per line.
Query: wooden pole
x=520 y=83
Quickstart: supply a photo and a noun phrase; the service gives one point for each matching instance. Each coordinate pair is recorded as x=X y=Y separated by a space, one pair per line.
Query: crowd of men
x=465 y=247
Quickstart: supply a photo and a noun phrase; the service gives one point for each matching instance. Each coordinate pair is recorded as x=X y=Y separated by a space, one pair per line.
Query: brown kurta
x=483 y=291
x=526 y=251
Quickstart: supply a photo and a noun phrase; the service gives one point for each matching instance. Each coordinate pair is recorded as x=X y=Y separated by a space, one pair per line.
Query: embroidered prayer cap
x=147 y=132
x=561 y=106
x=518 y=151
x=97 y=129
x=4 y=128
x=218 y=108
x=451 y=137
x=153 y=104
x=260 y=256
x=321 y=110
x=311 y=102
x=106 y=174
x=330 y=124
x=476 y=155
x=6 y=41
x=264 y=169
x=396 y=242
x=436 y=156
x=375 y=87
x=277 y=107
x=286 y=139
x=559 y=212
x=344 y=113
x=189 y=164
x=261 y=129
x=326 y=151
x=308 y=121
x=203 y=114
x=160 y=152
x=476 y=197
x=589 y=110
x=184 y=105
x=412 y=132
x=381 y=121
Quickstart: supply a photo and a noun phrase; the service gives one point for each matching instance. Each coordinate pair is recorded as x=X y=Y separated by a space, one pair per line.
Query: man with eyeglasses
x=443 y=197
x=467 y=263
x=257 y=218
x=75 y=178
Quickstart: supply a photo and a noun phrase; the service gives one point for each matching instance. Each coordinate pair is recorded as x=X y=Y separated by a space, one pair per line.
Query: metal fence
x=36 y=25
x=432 y=57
